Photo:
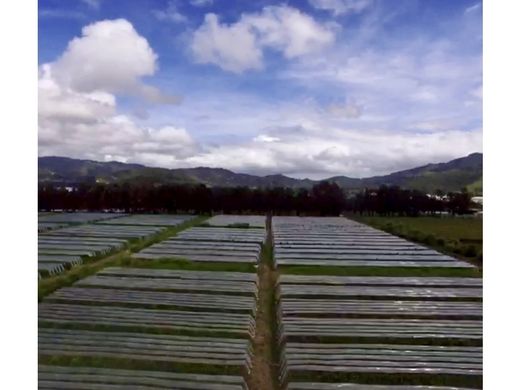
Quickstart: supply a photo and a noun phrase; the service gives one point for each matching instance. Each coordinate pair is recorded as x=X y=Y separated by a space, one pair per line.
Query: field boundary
x=50 y=284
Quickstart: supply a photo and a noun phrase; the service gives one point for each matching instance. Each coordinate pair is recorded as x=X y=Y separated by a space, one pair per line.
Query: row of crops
x=154 y=328
x=161 y=327
x=62 y=248
x=338 y=331
x=51 y=221
x=340 y=242
x=217 y=241
x=150 y=320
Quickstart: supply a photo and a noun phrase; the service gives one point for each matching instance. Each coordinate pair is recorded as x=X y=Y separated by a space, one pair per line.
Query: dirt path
x=264 y=374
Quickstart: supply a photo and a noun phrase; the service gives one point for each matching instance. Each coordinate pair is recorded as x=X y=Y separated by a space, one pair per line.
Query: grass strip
x=241 y=310
x=445 y=341
x=137 y=364
x=141 y=329
x=457 y=237
x=266 y=356
x=184 y=264
x=379 y=271
x=467 y=381
x=95 y=264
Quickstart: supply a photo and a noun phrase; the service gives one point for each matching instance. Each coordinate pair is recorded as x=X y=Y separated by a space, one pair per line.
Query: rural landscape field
x=260 y=195
x=249 y=301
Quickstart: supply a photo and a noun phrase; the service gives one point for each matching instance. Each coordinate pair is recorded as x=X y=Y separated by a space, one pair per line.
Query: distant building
x=438 y=197
x=478 y=199
x=66 y=188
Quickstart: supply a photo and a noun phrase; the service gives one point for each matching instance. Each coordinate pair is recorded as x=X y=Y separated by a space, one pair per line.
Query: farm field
x=183 y=322
x=253 y=221
x=95 y=246
x=208 y=244
x=63 y=248
x=300 y=303
x=152 y=323
x=51 y=221
x=379 y=328
x=461 y=237
x=78 y=237
x=149 y=220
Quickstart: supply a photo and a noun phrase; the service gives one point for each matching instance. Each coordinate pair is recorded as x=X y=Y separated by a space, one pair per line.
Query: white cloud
x=265 y=138
x=288 y=30
x=201 y=3
x=239 y=46
x=87 y=125
x=343 y=152
x=405 y=84
x=303 y=142
x=348 y=110
x=110 y=56
x=170 y=14
x=67 y=106
x=473 y=8
x=339 y=7
x=477 y=92
x=232 y=47
x=419 y=101
x=77 y=105
x=435 y=124
x=60 y=14
x=92 y=3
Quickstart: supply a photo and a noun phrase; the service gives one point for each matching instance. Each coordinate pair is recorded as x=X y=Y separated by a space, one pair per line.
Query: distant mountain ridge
x=449 y=176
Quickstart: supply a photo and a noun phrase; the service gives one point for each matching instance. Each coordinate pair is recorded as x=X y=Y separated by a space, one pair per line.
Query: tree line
x=388 y=201
x=325 y=198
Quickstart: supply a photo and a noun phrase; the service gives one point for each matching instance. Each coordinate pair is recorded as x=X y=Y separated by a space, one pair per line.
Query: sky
x=305 y=88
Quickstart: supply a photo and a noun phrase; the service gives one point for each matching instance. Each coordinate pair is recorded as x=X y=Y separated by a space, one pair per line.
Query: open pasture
x=458 y=236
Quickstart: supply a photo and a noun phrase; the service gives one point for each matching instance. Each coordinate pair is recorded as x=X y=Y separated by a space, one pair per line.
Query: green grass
x=379 y=271
x=266 y=355
x=475 y=187
x=47 y=285
x=136 y=246
x=158 y=306
x=385 y=340
x=237 y=225
x=183 y=264
x=171 y=288
x=135 y=364
x=141 y=329
x=459 y=237
x=446 y=229
x=467 y=381
x=451 y=180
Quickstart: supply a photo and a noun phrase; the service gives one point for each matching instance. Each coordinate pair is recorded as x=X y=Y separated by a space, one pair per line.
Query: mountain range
x=465 y=172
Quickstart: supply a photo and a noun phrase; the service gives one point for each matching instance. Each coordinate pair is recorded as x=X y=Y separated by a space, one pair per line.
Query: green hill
x=450 y=176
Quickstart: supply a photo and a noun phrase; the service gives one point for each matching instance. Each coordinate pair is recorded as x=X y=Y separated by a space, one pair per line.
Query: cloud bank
x=240 y=46
x=322 y=101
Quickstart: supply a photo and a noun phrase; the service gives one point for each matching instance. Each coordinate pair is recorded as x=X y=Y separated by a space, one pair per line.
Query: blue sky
x=308 y=88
